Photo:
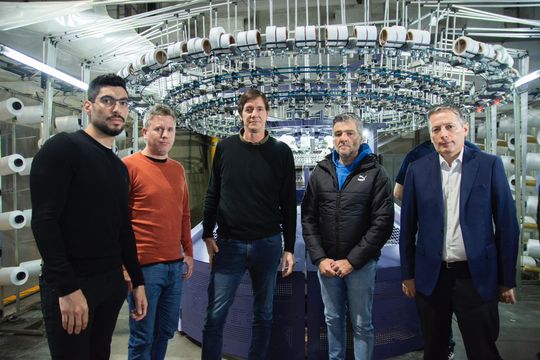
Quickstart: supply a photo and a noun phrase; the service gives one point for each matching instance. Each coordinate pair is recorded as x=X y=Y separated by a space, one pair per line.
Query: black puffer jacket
x=353 y=223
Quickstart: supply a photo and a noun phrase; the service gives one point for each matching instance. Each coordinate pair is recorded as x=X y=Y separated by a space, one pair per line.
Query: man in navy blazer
x=463 y=259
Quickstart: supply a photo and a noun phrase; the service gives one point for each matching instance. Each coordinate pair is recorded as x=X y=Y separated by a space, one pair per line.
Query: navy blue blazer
x=487 y=216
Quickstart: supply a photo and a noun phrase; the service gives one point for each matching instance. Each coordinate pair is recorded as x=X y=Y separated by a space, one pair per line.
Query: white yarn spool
x=502 y=56
x=276 y=37
x=214 y=36
x=177 y=50
x=530 y=142
x=12 y=164
x=10 y=109
x=33 y=267
x=248 y=40
x=530 y=182
x=305 y=36
x=533 y=161
x=126 y=71
x=393 y=36
x=418 y=38
x=31 y=115
x=199 y=48
x=70 y=123
x=366 y=36
x=533 y=248
x=336 y=36
x=14 y=275
x=528 y=261
x=28 y=167
x=155 y=59
x=225 y=41
x=12 y=220
x=487 y=51
x=219 y=40
x=511 y=143
x=531 y=205
x=139 y=63
x=466 y=47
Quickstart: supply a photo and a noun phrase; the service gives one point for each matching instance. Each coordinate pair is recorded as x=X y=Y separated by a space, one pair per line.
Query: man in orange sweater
x=161 y=221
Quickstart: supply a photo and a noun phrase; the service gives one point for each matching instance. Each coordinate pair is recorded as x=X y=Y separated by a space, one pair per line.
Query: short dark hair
x=451 y=108
x=348 y=117
x=104 y=80
x=252 y=94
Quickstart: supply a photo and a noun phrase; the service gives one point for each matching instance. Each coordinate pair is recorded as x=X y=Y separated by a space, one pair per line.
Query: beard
x=102 y=126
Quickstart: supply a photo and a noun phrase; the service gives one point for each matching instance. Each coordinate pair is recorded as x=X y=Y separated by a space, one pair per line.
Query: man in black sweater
x=79 y=192
x=251 y=196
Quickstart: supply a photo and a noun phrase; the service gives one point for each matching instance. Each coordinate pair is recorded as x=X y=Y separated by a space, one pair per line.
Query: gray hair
x=451 y=108
x=158 y=109
x=348 y=117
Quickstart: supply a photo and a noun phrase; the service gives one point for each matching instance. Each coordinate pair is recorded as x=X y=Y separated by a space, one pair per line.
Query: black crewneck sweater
x=79 y=191
x=251 y=194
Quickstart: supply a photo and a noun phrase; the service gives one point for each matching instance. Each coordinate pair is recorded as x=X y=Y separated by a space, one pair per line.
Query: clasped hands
x=330 y=267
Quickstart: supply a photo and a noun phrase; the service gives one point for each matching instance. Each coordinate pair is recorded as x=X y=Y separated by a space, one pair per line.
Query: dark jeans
x=261 y=258
x=105 y=294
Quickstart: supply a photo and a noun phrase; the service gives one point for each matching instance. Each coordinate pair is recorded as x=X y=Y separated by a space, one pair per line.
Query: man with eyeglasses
x=251 y=197
x=79 y=193
x=459 y=239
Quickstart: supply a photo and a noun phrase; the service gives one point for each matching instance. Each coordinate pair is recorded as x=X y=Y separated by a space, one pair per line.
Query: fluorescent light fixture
x=527 y=78
x=38 y=65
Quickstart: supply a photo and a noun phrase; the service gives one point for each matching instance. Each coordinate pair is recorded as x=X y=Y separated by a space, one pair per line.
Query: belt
x=456 y=265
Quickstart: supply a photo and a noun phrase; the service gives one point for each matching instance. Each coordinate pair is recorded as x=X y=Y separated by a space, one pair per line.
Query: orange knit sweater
x=159 y=205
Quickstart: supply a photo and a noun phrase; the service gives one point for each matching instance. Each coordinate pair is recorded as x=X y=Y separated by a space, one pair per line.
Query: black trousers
x=105 y=294
x=478 y=320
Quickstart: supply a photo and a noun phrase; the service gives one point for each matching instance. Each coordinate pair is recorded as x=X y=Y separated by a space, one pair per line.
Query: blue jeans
x=148 y=338
x=261 y=258
x=354 y=293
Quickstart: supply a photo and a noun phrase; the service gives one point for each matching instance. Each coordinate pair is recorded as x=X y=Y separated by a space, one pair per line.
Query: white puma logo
x=362 y=177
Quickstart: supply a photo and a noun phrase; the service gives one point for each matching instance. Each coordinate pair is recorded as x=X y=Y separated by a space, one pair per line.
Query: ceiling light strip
x=38 y=65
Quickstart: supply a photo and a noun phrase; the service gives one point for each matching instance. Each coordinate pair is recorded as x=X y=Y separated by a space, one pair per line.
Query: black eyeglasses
x=108 y=101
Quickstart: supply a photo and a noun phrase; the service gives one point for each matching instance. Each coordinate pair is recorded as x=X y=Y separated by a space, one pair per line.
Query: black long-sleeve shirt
x=251 y=193
x=79 y=191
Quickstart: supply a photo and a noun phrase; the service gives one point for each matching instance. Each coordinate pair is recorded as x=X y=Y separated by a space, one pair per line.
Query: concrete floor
x=519 y=338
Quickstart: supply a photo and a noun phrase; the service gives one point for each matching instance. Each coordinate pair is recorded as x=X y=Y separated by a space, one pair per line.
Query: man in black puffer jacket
x=347 y=217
